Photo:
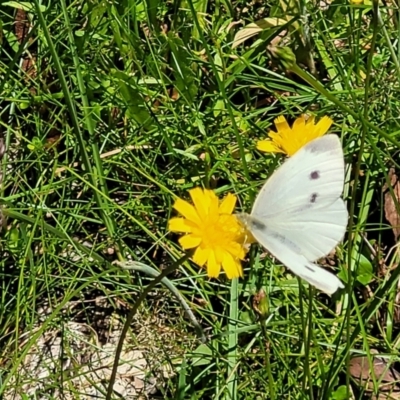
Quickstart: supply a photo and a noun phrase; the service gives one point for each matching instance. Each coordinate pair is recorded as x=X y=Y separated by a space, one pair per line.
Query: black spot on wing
x=313 y=197
x=314 y=175
x=309 y=268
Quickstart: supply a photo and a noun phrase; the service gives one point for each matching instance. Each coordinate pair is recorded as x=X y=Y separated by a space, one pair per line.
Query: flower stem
x=132 y=313
x=233 y=341
x=143 y=268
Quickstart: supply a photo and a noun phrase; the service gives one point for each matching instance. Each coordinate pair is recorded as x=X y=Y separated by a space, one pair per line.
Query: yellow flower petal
x=237 y=250
x=290 y=139
x=189 y=241
x=216 y=235
x=210 y=194
x=179 y=225
x=228 y=204
x=200 y=200
x=281 y=124
x=309 y=119
x=268 y=146
x=214 y=205
x=219 y=255
x=232 y=267
x=200 y=256
x=299 y=123
x=213 y=268
x=323 y=126
x=187 y=210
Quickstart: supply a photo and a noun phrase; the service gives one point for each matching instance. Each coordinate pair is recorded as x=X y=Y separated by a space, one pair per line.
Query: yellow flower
x=290 y=139
x=210 y=228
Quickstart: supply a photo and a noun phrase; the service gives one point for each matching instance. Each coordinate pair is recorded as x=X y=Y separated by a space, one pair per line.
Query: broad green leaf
x=24 y=5
x=186 y=154
x=364 y=269
x=11 y=39
x=218 y=107
x=203 y=355
x=340 y=393
x=137 y=108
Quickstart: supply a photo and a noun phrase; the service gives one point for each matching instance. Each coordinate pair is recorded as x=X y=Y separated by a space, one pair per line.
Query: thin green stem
x=353 y=238
x=105 y=208
x=308 y=339
x=222 y=91
x=70 y=103
x=232 y=341
x=54 y=231
x=132 y=313
x=321 y=89
x=140 y=267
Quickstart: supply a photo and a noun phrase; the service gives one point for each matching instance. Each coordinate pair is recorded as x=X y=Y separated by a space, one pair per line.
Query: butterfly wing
x=289 y=254
x=301 y=200
x=315 y=231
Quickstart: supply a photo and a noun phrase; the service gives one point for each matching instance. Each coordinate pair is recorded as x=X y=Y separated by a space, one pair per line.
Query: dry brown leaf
x=21 y=25
x=256 y=27
x=260 y=304
x=386 y=376
x=391 y=213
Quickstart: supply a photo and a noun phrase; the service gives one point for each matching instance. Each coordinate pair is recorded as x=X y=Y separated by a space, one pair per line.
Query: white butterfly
x=298 y=216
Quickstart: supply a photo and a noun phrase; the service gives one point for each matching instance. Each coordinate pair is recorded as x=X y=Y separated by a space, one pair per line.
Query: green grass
x=110 y=111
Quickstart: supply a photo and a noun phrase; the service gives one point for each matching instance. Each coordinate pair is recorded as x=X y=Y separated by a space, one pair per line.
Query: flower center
x=219 y=232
